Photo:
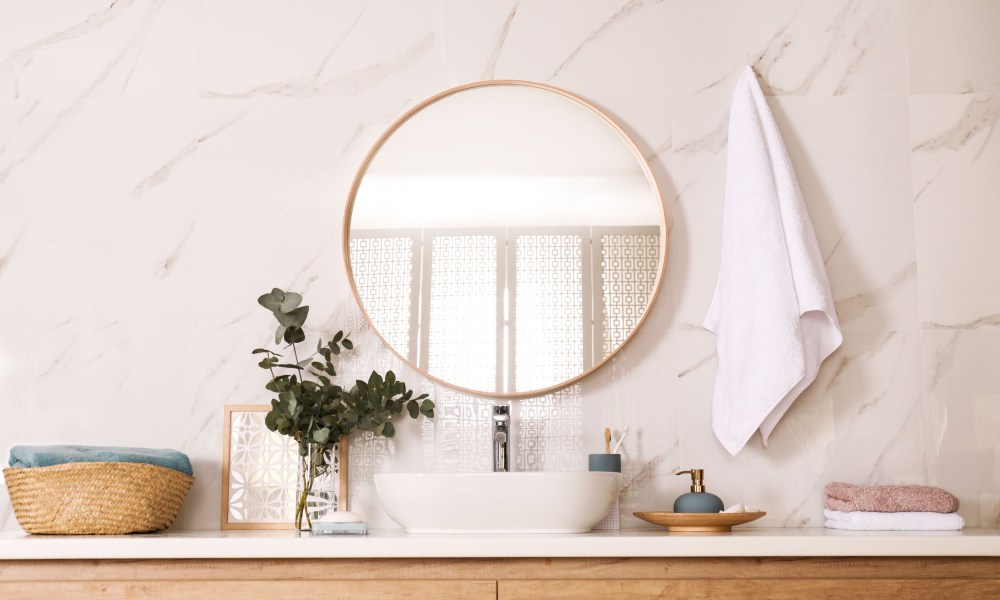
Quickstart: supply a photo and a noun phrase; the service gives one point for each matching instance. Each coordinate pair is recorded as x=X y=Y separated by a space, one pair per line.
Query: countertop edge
x=213 y=544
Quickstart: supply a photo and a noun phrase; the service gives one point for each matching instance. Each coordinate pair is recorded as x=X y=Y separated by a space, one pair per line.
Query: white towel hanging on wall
x=772 y=310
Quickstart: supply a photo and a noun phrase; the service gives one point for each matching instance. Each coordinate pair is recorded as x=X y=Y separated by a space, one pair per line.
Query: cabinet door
x=251 y=590
x=741 y=589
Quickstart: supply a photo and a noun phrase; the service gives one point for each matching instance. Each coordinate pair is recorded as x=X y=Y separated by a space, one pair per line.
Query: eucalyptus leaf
x=347 y=344
x=294 y=335
x=427 y=409
x=271 y=420
x=413 y=409
x=272 y=300
x=279 y=334
x=295 y=318
x=291 y=302
x=321 y=436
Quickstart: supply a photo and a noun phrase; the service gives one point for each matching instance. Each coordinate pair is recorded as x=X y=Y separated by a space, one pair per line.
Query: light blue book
x=330 y=528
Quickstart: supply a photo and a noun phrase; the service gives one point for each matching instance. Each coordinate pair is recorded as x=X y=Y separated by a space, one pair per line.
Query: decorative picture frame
x=259 y=470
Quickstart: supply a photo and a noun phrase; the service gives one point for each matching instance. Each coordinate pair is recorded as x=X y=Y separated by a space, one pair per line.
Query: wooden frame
x=227 y=436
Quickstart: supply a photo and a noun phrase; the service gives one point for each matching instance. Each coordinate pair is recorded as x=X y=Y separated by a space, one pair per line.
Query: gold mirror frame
x=399 y=122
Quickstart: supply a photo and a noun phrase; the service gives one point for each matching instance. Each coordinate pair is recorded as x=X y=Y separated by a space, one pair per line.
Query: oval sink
x=536 y=502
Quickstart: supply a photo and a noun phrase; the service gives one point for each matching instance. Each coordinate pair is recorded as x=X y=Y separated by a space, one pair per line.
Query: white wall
x=163 y=163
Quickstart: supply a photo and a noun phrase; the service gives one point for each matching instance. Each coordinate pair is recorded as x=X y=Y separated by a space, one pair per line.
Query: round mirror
x=505 y=238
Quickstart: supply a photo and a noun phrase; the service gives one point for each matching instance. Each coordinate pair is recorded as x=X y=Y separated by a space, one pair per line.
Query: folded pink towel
x=889 y=498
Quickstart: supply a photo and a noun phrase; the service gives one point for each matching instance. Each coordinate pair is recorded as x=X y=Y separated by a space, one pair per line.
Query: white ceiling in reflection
x=505 y=156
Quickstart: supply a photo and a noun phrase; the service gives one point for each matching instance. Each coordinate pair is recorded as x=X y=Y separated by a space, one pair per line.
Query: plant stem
x=307 y=483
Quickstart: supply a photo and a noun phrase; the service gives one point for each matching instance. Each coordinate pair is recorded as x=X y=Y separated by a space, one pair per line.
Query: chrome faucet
x=501 y=438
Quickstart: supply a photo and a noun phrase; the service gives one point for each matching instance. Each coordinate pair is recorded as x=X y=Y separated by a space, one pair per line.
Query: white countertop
x=393 y=543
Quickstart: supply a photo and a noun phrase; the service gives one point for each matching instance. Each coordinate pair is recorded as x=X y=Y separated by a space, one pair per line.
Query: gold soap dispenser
x=697 y=500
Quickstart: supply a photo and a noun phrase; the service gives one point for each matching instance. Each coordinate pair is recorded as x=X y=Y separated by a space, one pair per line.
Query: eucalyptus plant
x=314 y=410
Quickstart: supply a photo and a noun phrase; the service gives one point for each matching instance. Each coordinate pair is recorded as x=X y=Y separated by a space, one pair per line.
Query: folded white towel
x=772 y=309
x=899 y=521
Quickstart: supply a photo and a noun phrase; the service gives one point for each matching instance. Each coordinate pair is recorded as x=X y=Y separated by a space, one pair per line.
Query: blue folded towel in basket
x=26 y=457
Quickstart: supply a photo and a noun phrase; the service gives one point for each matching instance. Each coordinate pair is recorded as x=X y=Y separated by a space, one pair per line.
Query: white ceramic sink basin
x=541 y=502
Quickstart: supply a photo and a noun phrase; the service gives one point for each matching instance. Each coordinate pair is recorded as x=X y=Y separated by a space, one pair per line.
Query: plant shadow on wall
x=314 y=410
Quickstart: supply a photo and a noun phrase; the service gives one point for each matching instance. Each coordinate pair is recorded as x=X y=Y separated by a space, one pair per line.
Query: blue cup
x=605 y=462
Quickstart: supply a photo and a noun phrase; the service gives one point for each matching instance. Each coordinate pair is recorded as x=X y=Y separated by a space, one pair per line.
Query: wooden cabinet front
x=505 y=578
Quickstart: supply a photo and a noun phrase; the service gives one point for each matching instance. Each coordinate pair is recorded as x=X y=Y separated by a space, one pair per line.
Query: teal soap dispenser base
x=698 y=500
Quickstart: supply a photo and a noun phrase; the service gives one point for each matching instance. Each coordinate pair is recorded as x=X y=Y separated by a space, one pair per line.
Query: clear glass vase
x=316 y=488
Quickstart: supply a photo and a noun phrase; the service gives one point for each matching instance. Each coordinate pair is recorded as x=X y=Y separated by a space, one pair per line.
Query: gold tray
x=699 y=522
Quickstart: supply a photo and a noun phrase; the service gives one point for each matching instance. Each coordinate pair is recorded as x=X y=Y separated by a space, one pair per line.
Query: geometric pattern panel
x=369 y=454
x=629 y=264
x=549 y=323
x=550 y=432
x=263 y=472
x=463 y=326
x=382 y=268
x=263 y=466
x=458 y=440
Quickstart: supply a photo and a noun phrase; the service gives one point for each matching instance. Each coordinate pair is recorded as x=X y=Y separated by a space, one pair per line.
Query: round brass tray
x=699 y=522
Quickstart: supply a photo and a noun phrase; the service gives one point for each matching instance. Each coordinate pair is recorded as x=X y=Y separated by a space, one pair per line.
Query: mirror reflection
x=505 y=238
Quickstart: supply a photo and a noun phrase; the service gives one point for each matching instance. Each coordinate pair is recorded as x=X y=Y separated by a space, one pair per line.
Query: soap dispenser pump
x=698 y=500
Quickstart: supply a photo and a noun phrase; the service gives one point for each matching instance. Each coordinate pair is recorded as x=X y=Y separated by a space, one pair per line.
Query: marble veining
x=162 y=163
x=627 y=9
x=346 y=84
x=982 y=114
x=491 y=63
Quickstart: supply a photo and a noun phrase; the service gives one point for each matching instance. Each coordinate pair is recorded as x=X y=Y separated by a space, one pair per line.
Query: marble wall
x=163 y=163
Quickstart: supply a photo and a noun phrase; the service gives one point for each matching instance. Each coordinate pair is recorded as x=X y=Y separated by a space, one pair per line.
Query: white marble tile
x=613 y=49
x=952 y=46
x=164 y=163
x=273 y=179
x=853 y=47
x=955 y=180
x=859 y=203
x=697 y=163
x=319 y=49
x=962 y=392
x=86 y=50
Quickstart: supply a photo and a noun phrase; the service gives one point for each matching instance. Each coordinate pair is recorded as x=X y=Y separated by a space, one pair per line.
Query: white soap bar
x=736 y=508
x=340 y=516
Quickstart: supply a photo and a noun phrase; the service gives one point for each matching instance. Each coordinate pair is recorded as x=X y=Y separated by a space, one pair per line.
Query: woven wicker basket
x=96 y=497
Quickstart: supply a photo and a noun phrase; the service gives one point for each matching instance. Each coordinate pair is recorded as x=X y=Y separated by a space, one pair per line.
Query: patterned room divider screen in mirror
x=505 y=238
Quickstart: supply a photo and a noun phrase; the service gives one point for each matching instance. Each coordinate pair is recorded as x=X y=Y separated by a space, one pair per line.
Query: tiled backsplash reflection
x=164 y=163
